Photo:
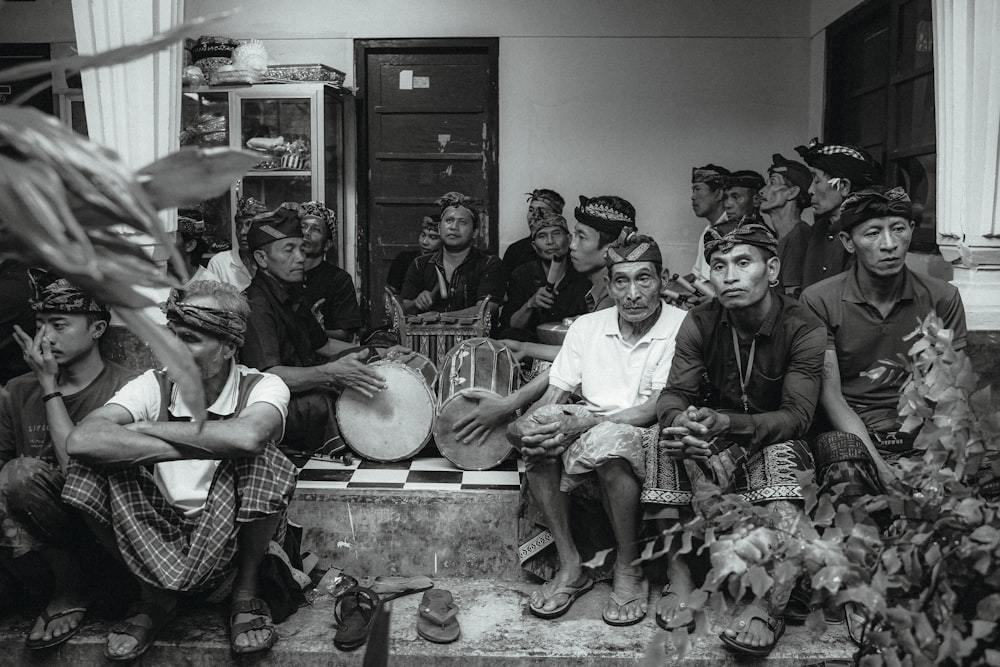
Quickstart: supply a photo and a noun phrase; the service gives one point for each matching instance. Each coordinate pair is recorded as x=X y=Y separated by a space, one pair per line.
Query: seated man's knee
x=26 y=481
x=842 y=459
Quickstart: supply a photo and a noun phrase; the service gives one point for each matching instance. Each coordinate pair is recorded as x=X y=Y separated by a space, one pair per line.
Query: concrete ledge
x=497 y=630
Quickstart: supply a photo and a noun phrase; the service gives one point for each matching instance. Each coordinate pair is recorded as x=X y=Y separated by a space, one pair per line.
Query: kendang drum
x=395 y=423
x=477 y=363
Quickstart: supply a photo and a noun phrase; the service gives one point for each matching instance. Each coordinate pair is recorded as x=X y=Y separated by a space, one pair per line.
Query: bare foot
x=629 y=596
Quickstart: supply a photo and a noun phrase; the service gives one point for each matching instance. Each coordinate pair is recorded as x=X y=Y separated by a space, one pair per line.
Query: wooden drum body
x=394 y=424
x=477 y=363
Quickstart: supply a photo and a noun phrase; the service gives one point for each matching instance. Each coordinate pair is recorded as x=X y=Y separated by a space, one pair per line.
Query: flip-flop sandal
x=390 y=588
x=436 y=617
x=46 y=618
x=750 y=613
x=799 y=606
x=263 y=621
x=354 y=612
x=621 y=603
x=572 y=590
x=681 y=607
x=143 y=636
x=856 y=620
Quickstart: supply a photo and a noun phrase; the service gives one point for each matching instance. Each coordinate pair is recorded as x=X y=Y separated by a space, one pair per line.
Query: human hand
x=317 y=310
x=38 y=355
x=537 y=436
x=671 y=441
x=351 y=372
x=490 y=412
x=542 y=299
x=424 y=300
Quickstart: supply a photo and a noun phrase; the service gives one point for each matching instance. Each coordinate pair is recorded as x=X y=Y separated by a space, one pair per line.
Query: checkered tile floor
x=428 y=474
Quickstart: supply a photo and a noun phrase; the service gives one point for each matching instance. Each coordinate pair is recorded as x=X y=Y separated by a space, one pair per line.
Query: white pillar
x=966 y=67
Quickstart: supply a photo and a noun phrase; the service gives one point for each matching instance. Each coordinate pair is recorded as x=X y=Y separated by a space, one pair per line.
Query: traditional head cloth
x=634 y=247
x=550 y=197
x=749 y=230
x=548 y=220
x=745 y=178
x=843 y=161
x=317 y=209
x=607 y=213
x=878 y=202
x=248 y=207
x=282 y=223
x=189 y=228
x=795 y=173
x=431 y=223
x=222 y=324
x=711 y=175
x=451 y=199
x=51 y=293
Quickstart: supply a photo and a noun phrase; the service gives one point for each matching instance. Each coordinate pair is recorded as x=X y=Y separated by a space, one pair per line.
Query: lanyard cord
x=744 y=379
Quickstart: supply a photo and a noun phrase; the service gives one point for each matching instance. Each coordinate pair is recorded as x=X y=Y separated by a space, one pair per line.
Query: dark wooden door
x=429 y=126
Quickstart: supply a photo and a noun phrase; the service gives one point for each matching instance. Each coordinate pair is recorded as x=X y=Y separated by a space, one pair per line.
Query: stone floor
x=497 y=630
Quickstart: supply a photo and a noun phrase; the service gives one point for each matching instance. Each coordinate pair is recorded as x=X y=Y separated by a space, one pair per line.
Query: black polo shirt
x=340 y=310
x=281 y=330
x=476 y=277
x=570 y=298
x=825 y=253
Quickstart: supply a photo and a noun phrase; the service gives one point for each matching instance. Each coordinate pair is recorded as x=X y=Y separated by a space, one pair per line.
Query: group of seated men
x=642 y=399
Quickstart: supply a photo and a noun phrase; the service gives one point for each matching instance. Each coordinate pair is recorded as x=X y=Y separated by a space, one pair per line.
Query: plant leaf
x=192 y=175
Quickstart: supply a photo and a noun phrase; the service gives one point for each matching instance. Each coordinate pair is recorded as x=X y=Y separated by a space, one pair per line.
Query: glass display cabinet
x=296 y=129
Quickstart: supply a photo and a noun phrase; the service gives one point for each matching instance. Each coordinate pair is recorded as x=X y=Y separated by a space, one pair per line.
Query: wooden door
x=428 y=126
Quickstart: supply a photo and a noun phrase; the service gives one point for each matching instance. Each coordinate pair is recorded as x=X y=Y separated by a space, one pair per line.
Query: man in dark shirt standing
x=783 y=199
x=284 y=338
x=541 y=202
x=69 y=379
x=739 y=399
x=837 y=170
x=459 y=275
x=327 y=289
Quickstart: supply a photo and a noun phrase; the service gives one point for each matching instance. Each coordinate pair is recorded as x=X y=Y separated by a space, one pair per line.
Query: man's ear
x=845 y=238
x=720 y=194
x=190 y=245
x=98 y=327
x=260 y=256
x=844 y=187
x=230 y=351
x=793 y=192
x=773 y=269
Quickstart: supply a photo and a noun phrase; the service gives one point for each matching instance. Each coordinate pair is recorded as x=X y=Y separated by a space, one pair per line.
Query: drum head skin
x=392 y=425
x=472 y=456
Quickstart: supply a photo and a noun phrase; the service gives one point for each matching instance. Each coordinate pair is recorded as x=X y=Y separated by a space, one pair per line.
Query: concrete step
x=497 y=631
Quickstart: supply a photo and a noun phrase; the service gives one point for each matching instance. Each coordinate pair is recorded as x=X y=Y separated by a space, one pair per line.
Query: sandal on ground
x=390 y=588
x=159 y=616
x=856 y=619
x=354 y=612
x=799 y=605
x=437 y=617
x=45 y=617
x=742 y=622
x=263 y=621
x=572 y=591
x=679 y=606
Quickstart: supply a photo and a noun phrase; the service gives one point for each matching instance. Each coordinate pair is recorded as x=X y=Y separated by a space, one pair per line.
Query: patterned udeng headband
x=874 y=203
x=633 y=247
x=748 y=230
x=222 y=324
x=53 y=294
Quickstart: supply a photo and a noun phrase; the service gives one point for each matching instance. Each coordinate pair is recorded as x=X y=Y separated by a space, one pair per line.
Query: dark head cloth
x=745 y=178
x=634 y=247
x=248 y=207
x=711 y=175
x=548 y=220
x=843 y=161
x=550 y=197
x=50 y=293
x=451 y=199
x=607 y=213
x=221 y=324
x=431 y=223
x=189 y=228
x=317 y=209
x=795 y=173
x=281 y=223
x=749 y=230
x=871 y=203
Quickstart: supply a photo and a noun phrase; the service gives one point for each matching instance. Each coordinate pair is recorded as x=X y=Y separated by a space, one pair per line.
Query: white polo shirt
x=227 y=267
x=185 y=484
x=610 y=374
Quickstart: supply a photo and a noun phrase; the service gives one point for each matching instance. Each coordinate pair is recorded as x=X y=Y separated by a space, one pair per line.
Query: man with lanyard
x=868 y=311
x=582 y=457
x=837 y=171
x=68 y=379
x=184 y=504
x=541 y=202
x=459 y=275
x=741 y=394
x=708 y=199
x=284 y=338
x=327 y=289
x=782 y=200
x=742 y=188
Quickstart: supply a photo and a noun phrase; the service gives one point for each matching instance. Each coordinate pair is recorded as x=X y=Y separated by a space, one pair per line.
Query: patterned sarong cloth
x=167 y=549
x=589 y=523
x=842 y=458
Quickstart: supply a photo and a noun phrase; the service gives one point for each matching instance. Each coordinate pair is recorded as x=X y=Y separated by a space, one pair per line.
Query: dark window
x=880 y=95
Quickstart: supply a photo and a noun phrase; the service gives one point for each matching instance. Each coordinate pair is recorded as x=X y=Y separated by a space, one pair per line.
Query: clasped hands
x=693 y=432
x=548 y=435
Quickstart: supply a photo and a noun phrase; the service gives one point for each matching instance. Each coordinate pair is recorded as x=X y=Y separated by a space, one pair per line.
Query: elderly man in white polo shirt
x=583 y=456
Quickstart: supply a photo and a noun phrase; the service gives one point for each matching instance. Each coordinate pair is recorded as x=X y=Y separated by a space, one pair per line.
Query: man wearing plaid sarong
x=185 y=504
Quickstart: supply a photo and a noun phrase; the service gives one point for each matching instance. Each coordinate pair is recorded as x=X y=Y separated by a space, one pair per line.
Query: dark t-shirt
x=24 y=427
x=792 y=253
x=476 y=277
x=518 y=253
x=340 y=310
x=570 y=299
x=281 y=331
x=397 y=270
x=825 y=253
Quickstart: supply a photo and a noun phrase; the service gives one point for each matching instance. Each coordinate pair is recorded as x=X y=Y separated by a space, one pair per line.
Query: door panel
x=430 y=127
